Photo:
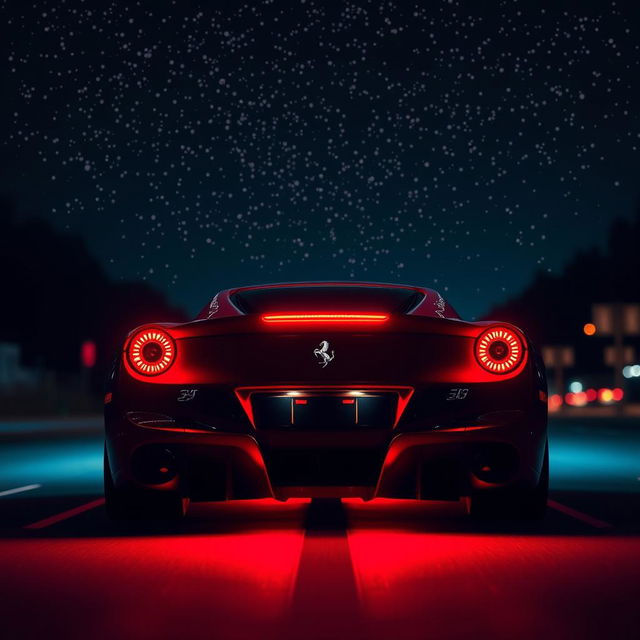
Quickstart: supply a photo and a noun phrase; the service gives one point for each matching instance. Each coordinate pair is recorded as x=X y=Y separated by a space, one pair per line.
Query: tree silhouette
x=55 y=295
x=553 y=309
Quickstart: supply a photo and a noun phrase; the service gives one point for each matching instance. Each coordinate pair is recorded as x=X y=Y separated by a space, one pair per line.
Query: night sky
x=202 y=145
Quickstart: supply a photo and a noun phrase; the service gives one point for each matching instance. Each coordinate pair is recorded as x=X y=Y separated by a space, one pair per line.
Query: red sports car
x=326 y=389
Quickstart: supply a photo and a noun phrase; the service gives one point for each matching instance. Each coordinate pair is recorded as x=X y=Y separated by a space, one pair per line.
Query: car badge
x=186 y=395
x=322 y=353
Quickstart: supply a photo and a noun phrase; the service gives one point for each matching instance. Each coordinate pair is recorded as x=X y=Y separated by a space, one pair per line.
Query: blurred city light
x=583 y=398
x=605 y=395
x=631 y=371
x=575 y=387
x=576 y=399
x=589 y=329
x=555 y=402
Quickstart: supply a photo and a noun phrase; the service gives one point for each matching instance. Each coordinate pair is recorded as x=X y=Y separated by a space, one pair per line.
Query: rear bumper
x=435 y=464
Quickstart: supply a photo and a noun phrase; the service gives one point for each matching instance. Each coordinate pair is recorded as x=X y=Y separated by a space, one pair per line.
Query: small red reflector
x=348 y=401
x=88 y=354
x=325 y=317
x=301 y=401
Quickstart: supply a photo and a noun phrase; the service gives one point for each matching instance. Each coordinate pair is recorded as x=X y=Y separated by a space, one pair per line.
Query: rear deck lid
x=327 y=299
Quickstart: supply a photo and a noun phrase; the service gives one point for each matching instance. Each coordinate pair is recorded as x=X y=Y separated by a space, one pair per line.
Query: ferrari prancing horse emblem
x=322 y=353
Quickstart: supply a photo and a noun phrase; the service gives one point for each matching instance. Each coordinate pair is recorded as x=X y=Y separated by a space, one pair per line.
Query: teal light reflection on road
x=63 y=467
x=594 y=456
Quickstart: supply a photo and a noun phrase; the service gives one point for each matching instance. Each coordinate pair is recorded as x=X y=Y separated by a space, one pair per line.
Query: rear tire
x=141 y=504
x=525 y=504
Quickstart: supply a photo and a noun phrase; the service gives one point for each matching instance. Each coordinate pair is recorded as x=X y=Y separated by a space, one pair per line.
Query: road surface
x=262 y=569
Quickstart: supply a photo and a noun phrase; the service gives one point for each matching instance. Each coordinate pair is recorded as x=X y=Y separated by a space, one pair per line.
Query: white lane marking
x=47 y=522
x=27 y=487
x=579 y=515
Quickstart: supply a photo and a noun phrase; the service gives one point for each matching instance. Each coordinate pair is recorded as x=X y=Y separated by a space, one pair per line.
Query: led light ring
x=135 y=352
x=514 y=355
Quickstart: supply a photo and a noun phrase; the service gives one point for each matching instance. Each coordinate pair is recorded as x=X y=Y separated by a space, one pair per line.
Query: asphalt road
x=263 y=569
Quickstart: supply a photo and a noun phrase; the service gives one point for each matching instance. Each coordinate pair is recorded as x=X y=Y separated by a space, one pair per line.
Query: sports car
x=326 y=390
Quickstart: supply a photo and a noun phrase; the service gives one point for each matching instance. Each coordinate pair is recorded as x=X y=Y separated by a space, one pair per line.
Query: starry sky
x=200 y=145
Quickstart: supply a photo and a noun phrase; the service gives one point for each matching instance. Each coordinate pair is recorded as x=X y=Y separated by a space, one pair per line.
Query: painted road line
x=65 y=515
x=578 y=515
x=27 y=487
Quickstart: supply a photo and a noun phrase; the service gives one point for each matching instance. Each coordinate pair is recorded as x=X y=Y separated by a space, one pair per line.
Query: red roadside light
x=88 y=354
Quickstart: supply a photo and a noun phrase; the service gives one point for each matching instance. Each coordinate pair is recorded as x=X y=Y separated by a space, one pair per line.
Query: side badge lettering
x=457 y=394
x=186 y=395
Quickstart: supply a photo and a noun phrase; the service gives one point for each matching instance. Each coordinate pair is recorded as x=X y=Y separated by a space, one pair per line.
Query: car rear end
x=327 y=391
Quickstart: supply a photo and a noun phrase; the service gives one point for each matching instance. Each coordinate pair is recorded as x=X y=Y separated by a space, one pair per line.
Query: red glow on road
x=235 y=579
x=326 y=317
x=247 y=569
x=417 y=571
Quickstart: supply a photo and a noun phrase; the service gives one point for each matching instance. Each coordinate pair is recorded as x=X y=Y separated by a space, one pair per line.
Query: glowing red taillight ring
x=499 y=350
x=151 y=351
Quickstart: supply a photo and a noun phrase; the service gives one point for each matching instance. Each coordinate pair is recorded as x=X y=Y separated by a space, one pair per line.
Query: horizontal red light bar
x=301 y=401
x=325 y=317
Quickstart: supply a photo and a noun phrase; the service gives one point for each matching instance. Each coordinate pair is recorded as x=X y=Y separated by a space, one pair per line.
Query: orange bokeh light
x=555 y=402
x=589 y=329
x=605 y=395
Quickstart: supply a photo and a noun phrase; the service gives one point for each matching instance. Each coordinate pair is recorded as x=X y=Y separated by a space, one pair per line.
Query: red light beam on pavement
x=65 y=515
x=228 y=572
x=578 y=515
x=426 y=578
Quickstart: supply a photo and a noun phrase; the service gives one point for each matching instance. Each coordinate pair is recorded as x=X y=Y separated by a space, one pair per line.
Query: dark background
x=155 y=152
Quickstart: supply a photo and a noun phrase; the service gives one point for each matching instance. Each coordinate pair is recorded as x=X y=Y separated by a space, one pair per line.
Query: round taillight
x=499 y=350
x=151 y=351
